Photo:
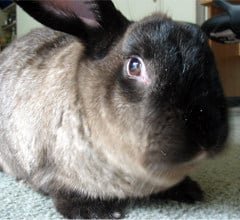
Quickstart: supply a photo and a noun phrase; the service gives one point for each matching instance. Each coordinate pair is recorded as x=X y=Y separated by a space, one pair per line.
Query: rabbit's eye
x=136 y=70
x=134 y=66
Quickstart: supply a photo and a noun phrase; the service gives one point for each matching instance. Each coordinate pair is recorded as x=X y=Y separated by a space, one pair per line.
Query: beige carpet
x=220 y=180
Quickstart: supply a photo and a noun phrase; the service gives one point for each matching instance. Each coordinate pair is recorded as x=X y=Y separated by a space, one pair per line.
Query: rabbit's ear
x=97 y=23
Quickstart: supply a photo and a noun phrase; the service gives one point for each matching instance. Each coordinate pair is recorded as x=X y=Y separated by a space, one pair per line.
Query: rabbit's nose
x=208 y=137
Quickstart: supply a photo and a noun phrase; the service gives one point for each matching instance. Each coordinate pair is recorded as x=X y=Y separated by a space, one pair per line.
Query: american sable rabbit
x=102 y=109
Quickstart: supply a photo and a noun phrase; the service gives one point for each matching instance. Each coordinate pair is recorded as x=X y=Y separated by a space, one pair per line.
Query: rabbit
x=97 y=110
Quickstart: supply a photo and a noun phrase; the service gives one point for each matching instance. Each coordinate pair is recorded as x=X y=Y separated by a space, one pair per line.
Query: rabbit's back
x=33 y=49
x=35 y=92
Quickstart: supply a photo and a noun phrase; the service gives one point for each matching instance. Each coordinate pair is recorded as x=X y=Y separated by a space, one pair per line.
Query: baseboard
x=233 y=101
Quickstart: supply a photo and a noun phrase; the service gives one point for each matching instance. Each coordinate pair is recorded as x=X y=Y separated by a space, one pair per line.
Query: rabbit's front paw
x=75 y=206
x=187 y=191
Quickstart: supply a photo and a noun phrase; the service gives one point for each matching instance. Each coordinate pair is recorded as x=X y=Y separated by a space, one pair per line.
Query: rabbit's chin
x=172 y=174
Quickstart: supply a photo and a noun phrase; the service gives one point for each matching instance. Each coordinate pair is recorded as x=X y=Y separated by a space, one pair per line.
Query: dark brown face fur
x=182 y=104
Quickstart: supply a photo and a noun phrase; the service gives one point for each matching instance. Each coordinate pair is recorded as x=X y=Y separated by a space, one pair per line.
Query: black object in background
x=224 y=28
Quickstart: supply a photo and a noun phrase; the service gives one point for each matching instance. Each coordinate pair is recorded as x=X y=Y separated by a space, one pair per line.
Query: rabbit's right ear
x=97 y=23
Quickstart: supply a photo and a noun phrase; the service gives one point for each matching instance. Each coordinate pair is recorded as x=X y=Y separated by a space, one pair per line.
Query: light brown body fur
x=48 y=142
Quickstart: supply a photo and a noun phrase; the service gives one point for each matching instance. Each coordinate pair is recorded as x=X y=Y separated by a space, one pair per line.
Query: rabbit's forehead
x=156 y=37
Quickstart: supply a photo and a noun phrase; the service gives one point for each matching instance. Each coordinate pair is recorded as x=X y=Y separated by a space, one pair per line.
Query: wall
x=134 y=10
x=182 y=10
x=25 y=23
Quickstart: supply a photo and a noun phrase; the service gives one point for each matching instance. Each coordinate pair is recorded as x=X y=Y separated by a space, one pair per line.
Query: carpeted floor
x=220 y=180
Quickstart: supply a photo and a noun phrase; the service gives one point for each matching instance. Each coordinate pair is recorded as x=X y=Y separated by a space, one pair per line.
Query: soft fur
x=77 y=126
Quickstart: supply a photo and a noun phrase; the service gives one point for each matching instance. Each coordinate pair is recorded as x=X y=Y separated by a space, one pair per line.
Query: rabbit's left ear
x=96 y=22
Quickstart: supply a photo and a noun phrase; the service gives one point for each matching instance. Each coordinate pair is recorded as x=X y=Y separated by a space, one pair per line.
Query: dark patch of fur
x=74 y=205
x=187 y=191
x=58 y=43
x=184 y=81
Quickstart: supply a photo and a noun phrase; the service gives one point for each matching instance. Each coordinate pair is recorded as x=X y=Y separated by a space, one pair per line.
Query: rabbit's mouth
x=174 y=170
x=167 y=175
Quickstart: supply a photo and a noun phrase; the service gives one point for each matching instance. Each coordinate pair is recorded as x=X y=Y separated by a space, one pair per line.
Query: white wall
x=184 y=10
x=25 y=23
x=137 y=9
